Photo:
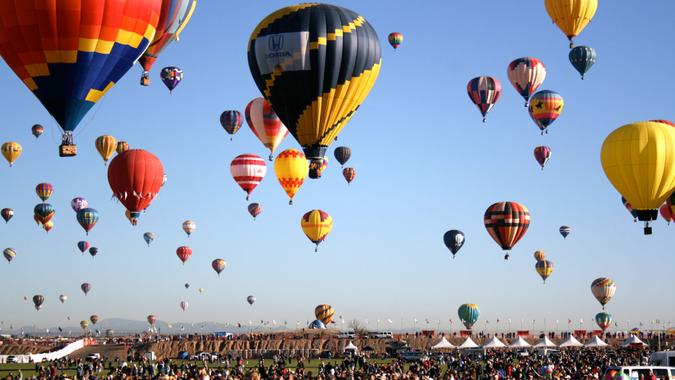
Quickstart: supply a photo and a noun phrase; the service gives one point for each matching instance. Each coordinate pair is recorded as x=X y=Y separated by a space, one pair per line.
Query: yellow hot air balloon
x=48 y=226
x=106 y=145
x=122 y=146
x=291 y=168
x=539 y=255
x=324 y=313
x=571 y=16
x=316 y=224
x=639 y=160
x=11 y=151
x=200 y=290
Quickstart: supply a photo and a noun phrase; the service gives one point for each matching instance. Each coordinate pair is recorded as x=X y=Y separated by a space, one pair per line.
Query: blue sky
x=425 y=164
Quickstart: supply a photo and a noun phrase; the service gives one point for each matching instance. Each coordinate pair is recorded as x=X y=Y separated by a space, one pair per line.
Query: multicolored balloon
x=317 y=166
x=545 y=107
x=342 y=154
x=565 y=231
x=265 y=124
x=539 y=255
x=48 y=226
x=454 y=240
x=544 y=268
x=604 y=320
x=248 y=170
x=542 y=154
x=468 y=313
x=571 y=16
x=7 y=214
x=37 y=130
x=122 y=146
x=254 y=209
x=83 y=246
x=189 y=226
x=507 y=223
x=582 y=58
x=171 y=77
x=218 y=265
x=324 y=313
x=526 y=74
x=603 y=290
x=10 y=150
x=43 y=212
x=349 y=174
x=44 y=190
x=86 y=288
x=231 y=122
x=87 y=217
x=78 y=203
x=106 y=146
x=291 y=169
x=316 y=224
x=628 y=207
x=395 y=39
x=183 y=253
x=9 y=254
x=484 y=92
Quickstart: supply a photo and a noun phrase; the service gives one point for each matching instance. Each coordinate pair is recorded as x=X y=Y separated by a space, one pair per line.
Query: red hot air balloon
x=248 y=170
x=86 y=287
x=542 y=154
x=507 y=223
x=184 y=253
x=254 y=209
x=135 y=177
x=666 y=213
x=349 y=174
x=218 y=265
x=152 y=320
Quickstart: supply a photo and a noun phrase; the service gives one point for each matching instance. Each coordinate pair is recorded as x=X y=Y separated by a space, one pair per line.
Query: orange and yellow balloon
x=106 y=145
x=324 y=313
x=291 y=168
x=571 y=16
x=11 y=151
x=316 y=224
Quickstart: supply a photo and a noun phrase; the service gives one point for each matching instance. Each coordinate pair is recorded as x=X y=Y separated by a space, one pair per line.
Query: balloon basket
x=67 y=150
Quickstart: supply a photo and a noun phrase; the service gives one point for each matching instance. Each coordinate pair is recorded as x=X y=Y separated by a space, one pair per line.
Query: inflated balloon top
x=315 y=63
x=571 y=16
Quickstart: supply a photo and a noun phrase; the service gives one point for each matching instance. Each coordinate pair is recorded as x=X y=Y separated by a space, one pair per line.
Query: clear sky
x=425 y=164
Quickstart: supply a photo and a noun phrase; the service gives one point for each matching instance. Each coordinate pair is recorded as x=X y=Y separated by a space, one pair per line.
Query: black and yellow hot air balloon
x=315 y=63
x=324 y=313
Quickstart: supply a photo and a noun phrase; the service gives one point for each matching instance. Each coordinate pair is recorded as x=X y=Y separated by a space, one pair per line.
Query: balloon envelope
x=468 y=313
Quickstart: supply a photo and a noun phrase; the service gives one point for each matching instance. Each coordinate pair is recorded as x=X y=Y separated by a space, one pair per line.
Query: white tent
x=494 y=343
x=633 y=340
x=545 y=342
x=468 y=343
x=519 y=343
x=443 y=344
x=571 y=342
x=595 y=342
x=350 y=347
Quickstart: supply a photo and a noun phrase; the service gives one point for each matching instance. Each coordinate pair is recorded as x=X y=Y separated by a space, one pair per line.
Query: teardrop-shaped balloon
x=78 y=203
x=231 y=121
x=291 y=169
x=63 y=298
x=9 y=254
x=603 y=290
x=565 y=231
x=87 y=217
x=250 y=300
x=86 y=288
x=254 y=209
x=44 y=190
x=248 y=170
x=106 y=146
x=604 y=320
x=149 y=237
x=93 y=251
x=468 y=313
x=395 y=39
x=571 y=16
x=582 y=58
x=152 y=319
x=122 y=146
x=544 y=268
x=171 y=77
x=189 y=226
x=349 y=174
x=316 y=224
x=184 y=305
x=44 y=212
x=265 y=124
x=324 y=313
x=453 y=240
x=83 y=246
x=484 y=92
x=218 y=265
x=38 y=300
x=542 y=154
x=184 y=253
x=37 y=130
x=526 y=74
x=94 y=319
x=545 y=107
x=665 y=212
x=48 y=226
x=342 y=154
x=7 y=214
x=11 y=150
x=507 y=223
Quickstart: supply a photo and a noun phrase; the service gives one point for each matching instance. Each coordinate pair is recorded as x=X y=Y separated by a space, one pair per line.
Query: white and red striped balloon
x=265 y=124
x=248 y=170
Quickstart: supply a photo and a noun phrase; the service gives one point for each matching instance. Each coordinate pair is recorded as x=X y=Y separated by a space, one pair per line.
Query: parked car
x=381 y=334
x=12 y=359
x=347 y=335
x=413 y=356
x=637 y=372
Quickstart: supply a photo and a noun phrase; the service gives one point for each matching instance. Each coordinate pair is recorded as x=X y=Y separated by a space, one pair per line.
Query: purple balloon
x=171 y=76
x=78 y=203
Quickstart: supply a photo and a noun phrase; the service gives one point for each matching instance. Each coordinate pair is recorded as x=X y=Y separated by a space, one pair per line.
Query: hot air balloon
x=48 y=226
x=248 y=170
x=10 y=150
x=663 y=121
x=507 y=223
x=187 y=286
x=291 y=168
x=316 y=325
x=526 y=74
x=86 y=287
x=9 y=254
x=43 y=212
x=183 y=253
x=78 y=204
x=545 y=107
x=7 y=214
x=152 y=320
x=395 y=39
x=106 y=146
x=94 y=319
x=542 y=154
x=254 y=209
x=44 y=190
x=468 y=313
x=37 y=130
x=231 y=122
x=265 y=124
x=564 y=231
x=189 y=227
x=628 y=207
x=71 y=61
x=171 y=77
x=38 y=300
x=539 y=255
x=544 y=268
x=135 y=177
x=84 y=324
x=149 y=237
x=571 y=16
x=218 y=265
x=200 y=290
x=63 y=298
x=315 y=93
x=184 y=305
x=649 y=146
x=454 y=240
x=603 y=290
x=122 y=146
x=93 y=251
x=250 y=300
x=316 y=224
x=317 y=166
x=582 y=58
x=173 y=17
x=342 y=154
x=349 y=174
x=164 y=179
x=484 y=92
x=87 y=217
x=324 y=313
x=604 y=320
x=83 y=246
x=665 y=212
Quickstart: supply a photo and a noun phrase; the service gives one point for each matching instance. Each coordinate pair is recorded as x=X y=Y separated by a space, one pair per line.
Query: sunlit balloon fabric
x=666 y=213
x=544 y=268
x=545 y=107
x=70 y=53
x=507 y=223
x=571 y=16
x=9 y=254
x=291 y=169
x=106 y=146
x=316 y=224
x=484 y=92
x=173 y=17
x=526 y=74
x=7 y=214
x=349 y=174
x=11 y=151
x=265 y=124
x=603 y=290
x=44 y=190
x=248 y=170
x=315 y=63
x=649 y=146
x=468 y=313
x=604 y=320
x=395 y=39
x=539 y=255
x=324 y=313
x=218 y=265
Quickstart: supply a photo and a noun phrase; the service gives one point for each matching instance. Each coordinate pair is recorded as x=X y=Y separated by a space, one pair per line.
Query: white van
x=662 y=373
x=347 y=335
x=381 y=335
x=663 y=358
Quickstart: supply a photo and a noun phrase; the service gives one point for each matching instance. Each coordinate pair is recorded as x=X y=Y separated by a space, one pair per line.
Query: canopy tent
x=494 y=343
x=442 y=344
x=545 y=343
x=595 y=342
x=350 y=347
x=519 y=343
x=571 y=342
x=633 y=340
x=468 y=343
